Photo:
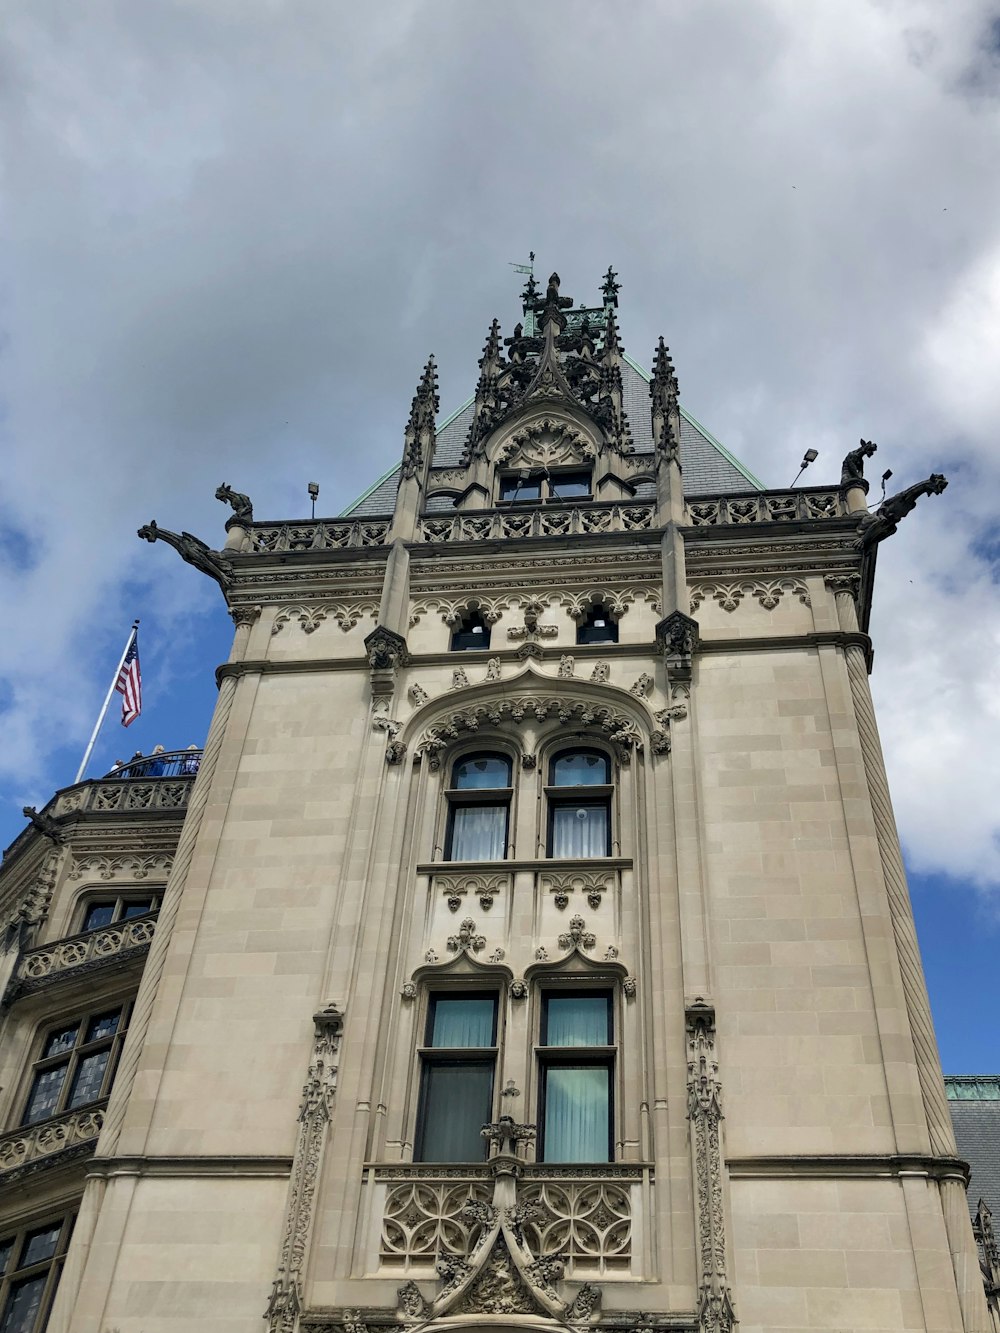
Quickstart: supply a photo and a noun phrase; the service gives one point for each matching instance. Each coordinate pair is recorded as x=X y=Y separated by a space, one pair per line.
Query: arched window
x=579 y=794
x=479 y=808
x=597 y=626
x=471 y=631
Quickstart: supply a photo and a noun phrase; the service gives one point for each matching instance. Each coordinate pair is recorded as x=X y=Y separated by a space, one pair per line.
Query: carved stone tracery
x=716 y=1313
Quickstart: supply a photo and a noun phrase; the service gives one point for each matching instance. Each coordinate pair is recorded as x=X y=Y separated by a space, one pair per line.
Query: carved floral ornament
x=578 y=602
x=310 y=617
x=544 y=443
x=768 y=592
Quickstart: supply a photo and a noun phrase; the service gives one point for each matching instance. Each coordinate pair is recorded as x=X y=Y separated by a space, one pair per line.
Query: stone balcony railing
x=589 y=1215
x=76 y=955
x=123 y=795
x=550 y=520
x=34 y=1146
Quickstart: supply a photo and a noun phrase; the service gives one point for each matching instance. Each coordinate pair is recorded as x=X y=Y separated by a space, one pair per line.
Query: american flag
x=129 y=683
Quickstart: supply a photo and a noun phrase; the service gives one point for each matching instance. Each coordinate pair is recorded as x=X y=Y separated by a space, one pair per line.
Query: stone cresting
x=314 y=1115
x=715 y=1305
x=70 y=957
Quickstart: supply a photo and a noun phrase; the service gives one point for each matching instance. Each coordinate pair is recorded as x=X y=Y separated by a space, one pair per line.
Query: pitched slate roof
x=974 y=1103
x=708 y=467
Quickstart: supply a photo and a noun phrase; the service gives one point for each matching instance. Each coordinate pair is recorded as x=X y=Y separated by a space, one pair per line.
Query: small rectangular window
x=100 y=912
x=516 y=487
x=458 y=1064
x=576 y=1058
x=76 y=1066
x=569 y=485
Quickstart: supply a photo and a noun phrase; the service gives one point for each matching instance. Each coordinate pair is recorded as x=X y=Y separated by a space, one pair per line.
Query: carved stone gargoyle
x=43 y=824
x=239 y=503
x=192 y=550
x=884 y=522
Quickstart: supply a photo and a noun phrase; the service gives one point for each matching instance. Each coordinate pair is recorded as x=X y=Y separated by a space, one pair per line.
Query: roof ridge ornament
x=664 y=394
x=610 y=287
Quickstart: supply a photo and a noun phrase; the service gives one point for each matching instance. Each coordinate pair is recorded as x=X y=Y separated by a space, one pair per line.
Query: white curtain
x=577 y=1113
x=479 y=833
x=580 y=830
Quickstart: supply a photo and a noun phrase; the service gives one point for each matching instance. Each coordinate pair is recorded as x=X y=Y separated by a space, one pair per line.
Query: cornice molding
x=190 y=1167
x=824 y=1166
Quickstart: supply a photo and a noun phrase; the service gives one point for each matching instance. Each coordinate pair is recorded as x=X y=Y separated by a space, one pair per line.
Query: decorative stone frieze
x=314 y=1115
x=124 y=865
x=484 y=886
x=768 y=592
x=768 y=507
x=593 y=884
x=267 y=538
x=71 y=957
x=345 y=614
x=74 y=1133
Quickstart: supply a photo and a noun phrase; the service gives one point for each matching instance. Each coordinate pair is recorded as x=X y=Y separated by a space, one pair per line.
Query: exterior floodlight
x=808 y=457
x=313 y=489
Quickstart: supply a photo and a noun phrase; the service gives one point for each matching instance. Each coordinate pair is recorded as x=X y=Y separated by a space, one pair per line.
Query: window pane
x=63 y=1040
x=580 y=830
x=577 y=1020
x=456 y=1105
x=568 y=485
x=576 y=1113
x=88 y=1078
x=138 y=908
x=517 y=488
x=40 y=1245
x=476 y=636
x=104 y=1025
x=487 y=771
x=45 y=1094
x=97 y=915
x=462 y=1022
x=24 y=1300
x=478 y=833
x=5 y=1251
x=580 y=770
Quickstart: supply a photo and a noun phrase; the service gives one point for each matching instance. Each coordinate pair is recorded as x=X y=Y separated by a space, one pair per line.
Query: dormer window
x=471 y=631
x=538 y=486
x=597 y=627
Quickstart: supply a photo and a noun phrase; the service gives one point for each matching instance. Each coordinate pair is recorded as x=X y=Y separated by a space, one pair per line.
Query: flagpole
x=104 y=711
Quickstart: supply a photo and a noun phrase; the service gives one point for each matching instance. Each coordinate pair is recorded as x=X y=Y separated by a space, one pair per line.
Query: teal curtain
x=577 y=1113
x=457 y=1099
x=462 y=1021
x=577 y=1020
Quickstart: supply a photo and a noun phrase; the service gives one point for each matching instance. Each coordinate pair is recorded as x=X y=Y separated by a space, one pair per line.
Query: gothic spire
x=487 y=401
x=419 y=435
x=663 y=392
x=611 y=394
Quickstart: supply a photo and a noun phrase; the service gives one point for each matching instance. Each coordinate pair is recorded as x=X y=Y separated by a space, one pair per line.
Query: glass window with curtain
x=458 y=1063
x=479 y=808
x=579 y=795
x=576 y=1057
x=30 y=1264
x=76 y=1065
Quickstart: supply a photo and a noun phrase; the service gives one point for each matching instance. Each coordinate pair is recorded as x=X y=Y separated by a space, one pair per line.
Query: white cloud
x=234 y=232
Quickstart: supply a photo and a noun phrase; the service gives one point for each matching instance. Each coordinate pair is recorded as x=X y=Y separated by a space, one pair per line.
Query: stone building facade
x=535 y=950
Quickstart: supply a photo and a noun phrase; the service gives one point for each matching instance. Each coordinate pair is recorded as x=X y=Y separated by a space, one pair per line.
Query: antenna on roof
x=525 y=268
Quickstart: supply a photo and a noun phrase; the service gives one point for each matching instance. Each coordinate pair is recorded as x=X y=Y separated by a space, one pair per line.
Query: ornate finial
x=663 y=392
x=611 y=287
x=193 y=550
x=552 y=307
x=883 y=523
x=239 y=503
x=612 y=343
x=529 y=297
x=422 y=422
x=852 y=472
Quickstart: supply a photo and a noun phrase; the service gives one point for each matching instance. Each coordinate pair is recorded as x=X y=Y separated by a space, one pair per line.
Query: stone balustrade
x=584 y=1214
x=765 y=507
x=117 y=795
x=74 y=955
x=33 y=1146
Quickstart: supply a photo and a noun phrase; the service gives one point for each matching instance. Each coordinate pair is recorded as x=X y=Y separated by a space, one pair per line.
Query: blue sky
x=234 y=232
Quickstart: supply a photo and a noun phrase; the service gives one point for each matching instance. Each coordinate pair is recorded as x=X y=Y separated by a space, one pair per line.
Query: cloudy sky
x=234 y=229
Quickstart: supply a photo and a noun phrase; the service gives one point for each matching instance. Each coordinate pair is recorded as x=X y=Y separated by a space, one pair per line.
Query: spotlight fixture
x=313 y=489
x=808 y=457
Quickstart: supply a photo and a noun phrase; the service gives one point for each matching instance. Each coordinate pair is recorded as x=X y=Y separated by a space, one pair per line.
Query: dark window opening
x=472 y=631
x=569 y=485
x=31 y=1262
x=76 y=1066
x=597 y=627
x=98 y=912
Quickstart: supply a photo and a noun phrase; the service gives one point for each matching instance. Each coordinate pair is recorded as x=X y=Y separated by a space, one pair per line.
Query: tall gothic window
x=579 y=795
x=31 y=1261
x=76 y=1065
x=597 y=626
x=471 y=631
x=458 y=1063
x=479 y=808
x=576 y=1055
